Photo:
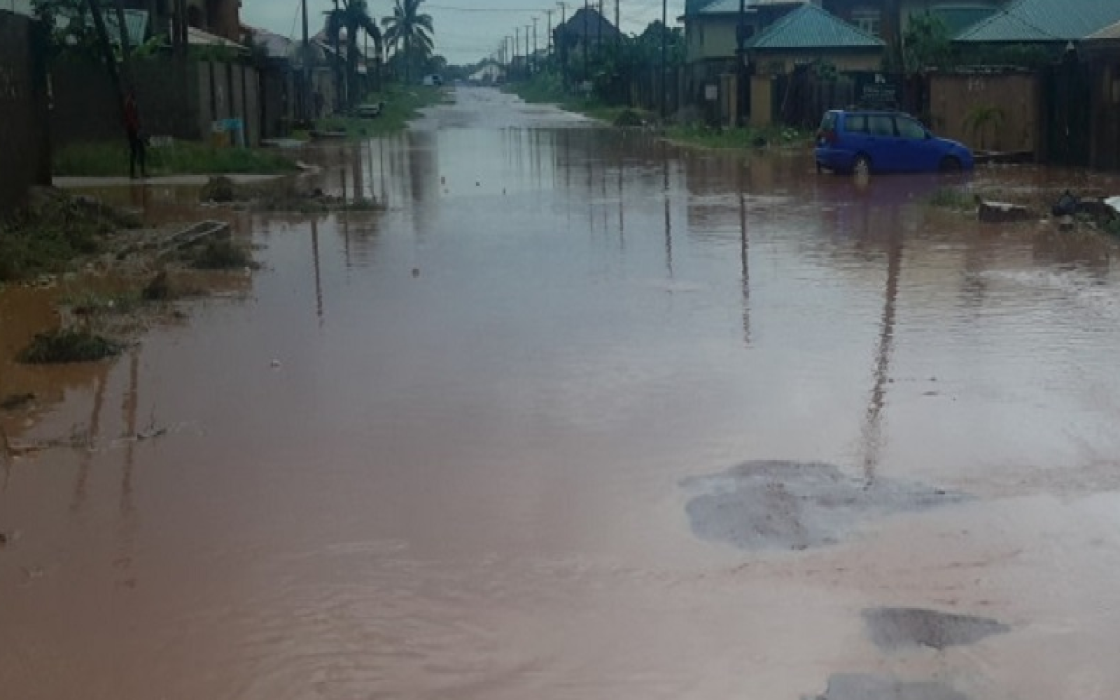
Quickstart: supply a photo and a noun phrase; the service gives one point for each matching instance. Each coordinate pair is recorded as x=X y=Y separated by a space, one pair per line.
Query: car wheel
x=861 y=166
x=949 y=164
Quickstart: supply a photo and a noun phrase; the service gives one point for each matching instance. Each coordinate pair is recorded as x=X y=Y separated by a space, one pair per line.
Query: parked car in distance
x=433 y=80
x=878 y=141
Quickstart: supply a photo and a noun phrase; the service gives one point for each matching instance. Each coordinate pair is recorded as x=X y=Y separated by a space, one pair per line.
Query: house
x=809 y=34
x=711 y=37
x=1051 y=23
x=583 y=33
x=889 y=19
x=1102 y=52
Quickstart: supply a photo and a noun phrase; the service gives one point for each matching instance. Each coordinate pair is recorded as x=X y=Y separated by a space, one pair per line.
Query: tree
x=926 y=43
x=408 y=26
x=353 y=18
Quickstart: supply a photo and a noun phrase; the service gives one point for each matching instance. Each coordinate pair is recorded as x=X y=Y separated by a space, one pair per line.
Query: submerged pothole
x=896 y=628
x=797 y=505
x=854 y=686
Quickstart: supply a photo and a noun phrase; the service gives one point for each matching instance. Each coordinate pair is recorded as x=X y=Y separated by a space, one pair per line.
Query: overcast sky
x=466 y=30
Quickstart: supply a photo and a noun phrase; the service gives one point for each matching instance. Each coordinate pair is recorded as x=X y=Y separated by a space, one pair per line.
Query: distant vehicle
x=878 y=141
x=433 y=80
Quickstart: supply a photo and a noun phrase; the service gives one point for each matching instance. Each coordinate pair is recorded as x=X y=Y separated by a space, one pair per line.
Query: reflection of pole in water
x=873 y=425
x=381 y=157
x=131 y=408
x=87 y=455
x=315 y=259
x=621 y=205
x=668 y=217
x=745 y=254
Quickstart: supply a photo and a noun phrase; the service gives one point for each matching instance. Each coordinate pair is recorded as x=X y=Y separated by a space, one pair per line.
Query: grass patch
x=221 y=255
x=547 y=88
x=95 y=304
x=953 y=198
x=110 y=159
x=742 y=137
x=400 y=106
x=65 y=346
x=54 y=231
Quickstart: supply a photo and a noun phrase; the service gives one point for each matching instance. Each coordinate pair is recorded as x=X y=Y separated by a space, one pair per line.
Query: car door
x=883 y=143
x=917 y=152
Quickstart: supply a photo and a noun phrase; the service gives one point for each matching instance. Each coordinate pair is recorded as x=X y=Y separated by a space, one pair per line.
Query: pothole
x=796 y=505
x=896 y=628
x=853 y=686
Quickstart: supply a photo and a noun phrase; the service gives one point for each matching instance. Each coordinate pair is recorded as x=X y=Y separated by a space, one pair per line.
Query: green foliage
x=221 y=255
x=48 y=239
x=927 y=43
x=953 y=198
x=401 y=105
x=980 y=117
x=739 y=138
x=180 y=158
x=412 y=28
x=66 y=346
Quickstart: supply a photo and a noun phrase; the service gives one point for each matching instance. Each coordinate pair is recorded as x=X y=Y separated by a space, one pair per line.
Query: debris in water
x=14 y=402
x=894 y=628
x=275 y=364
x=415 y=272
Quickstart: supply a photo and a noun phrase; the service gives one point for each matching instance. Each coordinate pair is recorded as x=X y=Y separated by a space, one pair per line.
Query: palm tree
x=407 y=25
x=354 y=18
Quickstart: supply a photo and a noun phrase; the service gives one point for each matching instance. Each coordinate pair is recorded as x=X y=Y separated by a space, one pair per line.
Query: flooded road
x=585 y=415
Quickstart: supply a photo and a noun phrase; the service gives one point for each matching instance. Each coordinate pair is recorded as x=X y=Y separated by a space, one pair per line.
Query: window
x=910 y=129
x=880 y=124
x=869 y=19
x=856 y=124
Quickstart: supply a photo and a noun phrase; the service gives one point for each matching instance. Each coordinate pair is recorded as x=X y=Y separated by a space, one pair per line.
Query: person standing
x=132 y=127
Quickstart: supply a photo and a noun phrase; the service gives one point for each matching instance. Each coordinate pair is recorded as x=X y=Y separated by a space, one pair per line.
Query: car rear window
x=828 y=123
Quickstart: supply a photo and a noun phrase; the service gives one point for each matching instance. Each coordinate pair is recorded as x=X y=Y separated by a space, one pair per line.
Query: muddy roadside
x=84 y=281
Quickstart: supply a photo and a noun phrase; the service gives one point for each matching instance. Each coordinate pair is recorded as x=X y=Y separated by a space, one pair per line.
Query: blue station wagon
x=872 y=141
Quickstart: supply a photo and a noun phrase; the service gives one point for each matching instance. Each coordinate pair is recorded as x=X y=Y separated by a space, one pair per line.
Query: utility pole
x=564 y=46
x=337 y=62
x=535 y=20
x=586 y=39
x=599 y=41
x=528 y=57
x=664 y=57
x=516 y=42
x=548 y=43
x=617 y=25
x=741 y=68
x=305 y=82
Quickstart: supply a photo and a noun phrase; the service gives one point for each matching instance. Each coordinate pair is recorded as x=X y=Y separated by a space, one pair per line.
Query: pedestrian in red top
x=135 y=138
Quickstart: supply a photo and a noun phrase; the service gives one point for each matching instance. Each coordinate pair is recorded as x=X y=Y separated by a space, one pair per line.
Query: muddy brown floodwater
x=584 y=415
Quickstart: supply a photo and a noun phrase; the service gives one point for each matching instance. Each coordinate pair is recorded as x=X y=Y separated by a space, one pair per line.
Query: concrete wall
x=24 y=137
x=953 y=96
x=179 y=99
x=1105 y=144
x=86 y=106
x=845 y=62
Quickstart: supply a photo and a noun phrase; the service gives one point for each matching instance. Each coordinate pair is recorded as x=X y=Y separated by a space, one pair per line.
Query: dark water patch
x=853 y=686
x=794 y=505
x=894 y=628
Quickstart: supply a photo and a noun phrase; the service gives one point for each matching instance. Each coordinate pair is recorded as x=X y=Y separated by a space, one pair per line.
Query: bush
x=222 y=255
x=65 y=346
